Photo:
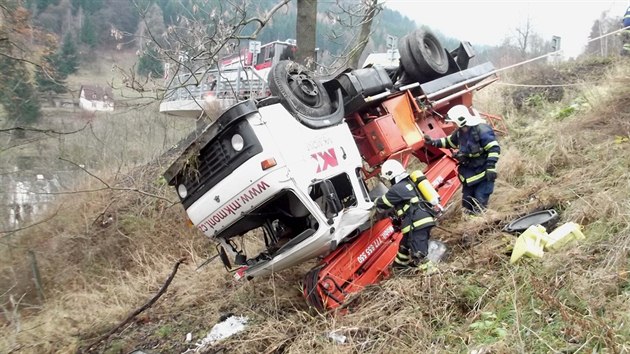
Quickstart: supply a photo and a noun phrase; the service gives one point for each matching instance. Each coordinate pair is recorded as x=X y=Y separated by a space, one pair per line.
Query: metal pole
x=238 y=83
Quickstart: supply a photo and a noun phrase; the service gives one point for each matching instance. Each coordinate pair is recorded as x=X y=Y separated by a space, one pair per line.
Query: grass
x=572 y=300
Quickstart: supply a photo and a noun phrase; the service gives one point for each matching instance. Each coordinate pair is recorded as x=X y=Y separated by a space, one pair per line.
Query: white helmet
x=463 y=116
x=393 y=170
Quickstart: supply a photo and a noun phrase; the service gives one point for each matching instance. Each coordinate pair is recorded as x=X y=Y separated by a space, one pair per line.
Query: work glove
x=491 y=173
x=430 y=141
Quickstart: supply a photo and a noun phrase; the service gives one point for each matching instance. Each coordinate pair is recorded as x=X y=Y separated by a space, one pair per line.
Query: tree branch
x=140 y=309
x=108 y=186
x=11 y=232
x=262 y=22
x=44 y=131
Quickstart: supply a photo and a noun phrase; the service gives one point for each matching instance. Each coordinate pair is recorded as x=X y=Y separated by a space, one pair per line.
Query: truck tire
x=408 y=63
x=423 y=56
x=293 y=84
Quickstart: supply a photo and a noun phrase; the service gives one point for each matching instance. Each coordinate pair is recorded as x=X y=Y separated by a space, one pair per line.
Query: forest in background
x=48 y=40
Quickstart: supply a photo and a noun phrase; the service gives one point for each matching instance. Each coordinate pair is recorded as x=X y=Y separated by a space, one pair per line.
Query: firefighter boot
x=427 y=266
x=422 y=264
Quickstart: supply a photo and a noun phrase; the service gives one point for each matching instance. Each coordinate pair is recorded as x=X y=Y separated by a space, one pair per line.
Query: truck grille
x=216 y=161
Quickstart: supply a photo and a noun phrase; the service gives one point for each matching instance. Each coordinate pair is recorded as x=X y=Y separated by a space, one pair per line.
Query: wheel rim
x=433 y=50
x=304 y=88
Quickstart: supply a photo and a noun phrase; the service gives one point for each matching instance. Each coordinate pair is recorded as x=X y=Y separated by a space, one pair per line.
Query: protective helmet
x=393 y=170
x=463 y=116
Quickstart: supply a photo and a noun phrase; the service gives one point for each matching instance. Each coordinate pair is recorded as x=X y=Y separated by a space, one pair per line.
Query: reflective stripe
x=402 y=256
x=476 y=177
x=402 y=210
x=401 y=262
x=448 y=139
x=474 y=155
x=406 y=207
x=418 y=223
x=443 y=142
x=492 y=169
x=493 y=154
x=423 y=221
x=491 y=144
x=409 y=186
x=387 y=202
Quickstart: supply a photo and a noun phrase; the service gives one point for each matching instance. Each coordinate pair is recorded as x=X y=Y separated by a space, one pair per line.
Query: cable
x=550 y=85
x=553 y=53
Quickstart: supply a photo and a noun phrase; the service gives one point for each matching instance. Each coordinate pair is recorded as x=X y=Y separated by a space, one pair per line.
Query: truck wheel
x=425 y=53
x=292 y=82
x=408 y=63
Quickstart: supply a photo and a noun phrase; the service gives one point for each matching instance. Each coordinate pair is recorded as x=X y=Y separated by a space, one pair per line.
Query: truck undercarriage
x=290 y=171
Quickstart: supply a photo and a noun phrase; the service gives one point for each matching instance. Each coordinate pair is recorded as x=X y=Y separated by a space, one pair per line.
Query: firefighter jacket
x=408 y=204
x=626 y=19
x=478 y=152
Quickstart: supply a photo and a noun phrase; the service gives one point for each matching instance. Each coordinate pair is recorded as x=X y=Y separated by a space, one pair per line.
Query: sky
x=490 y=21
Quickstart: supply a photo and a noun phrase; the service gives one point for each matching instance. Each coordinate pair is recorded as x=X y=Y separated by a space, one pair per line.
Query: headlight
x=181 y=190
x=237 y=142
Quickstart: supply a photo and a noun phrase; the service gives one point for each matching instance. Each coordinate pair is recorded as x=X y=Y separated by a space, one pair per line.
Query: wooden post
x=36 y=277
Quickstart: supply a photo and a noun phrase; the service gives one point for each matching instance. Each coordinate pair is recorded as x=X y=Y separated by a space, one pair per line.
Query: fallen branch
x=139 y=310
x=43 y=131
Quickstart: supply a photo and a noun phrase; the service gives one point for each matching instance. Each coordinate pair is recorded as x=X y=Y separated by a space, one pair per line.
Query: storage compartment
x=383 y=139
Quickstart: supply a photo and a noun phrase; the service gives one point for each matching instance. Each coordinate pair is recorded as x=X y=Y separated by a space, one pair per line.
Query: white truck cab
x=261 y=170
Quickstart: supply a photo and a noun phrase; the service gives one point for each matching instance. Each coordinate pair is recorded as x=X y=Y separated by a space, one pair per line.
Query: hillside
x=103 y=254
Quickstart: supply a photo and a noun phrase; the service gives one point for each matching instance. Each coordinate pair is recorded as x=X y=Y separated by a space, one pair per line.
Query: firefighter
x=415 y=217
x=625 y=34
x=477 y=156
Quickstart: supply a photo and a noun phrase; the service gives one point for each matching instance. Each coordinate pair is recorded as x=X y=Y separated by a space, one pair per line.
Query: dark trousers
x=416 y=242
x=475 y=198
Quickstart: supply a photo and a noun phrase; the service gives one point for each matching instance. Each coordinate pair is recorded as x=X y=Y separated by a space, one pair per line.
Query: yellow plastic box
x=563 y=235
x=530 y=243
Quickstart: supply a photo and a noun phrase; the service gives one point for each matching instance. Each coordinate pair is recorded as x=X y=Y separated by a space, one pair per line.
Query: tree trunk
x=305 y=29
x=371 y=9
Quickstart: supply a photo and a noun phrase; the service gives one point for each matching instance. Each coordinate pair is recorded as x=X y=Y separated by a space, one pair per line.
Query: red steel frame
x=393 y=128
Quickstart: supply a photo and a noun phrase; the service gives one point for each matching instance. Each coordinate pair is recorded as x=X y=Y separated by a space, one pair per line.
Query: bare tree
x=354 y=21
x=370 y=10
x=523 y=34
x=306 y=31
x=193 y=43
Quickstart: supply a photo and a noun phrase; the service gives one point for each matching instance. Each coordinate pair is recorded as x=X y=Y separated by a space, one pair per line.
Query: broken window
x=340 y=192
x=270 y=229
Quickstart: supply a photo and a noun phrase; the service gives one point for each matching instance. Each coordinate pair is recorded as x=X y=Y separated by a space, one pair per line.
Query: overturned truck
x=290 y=170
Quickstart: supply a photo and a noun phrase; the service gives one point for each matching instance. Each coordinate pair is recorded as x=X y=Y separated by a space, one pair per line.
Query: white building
x=96 y=98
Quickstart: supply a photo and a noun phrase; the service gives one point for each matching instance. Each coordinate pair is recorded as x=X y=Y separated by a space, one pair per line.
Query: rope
x=547 y=55
x=554 y=52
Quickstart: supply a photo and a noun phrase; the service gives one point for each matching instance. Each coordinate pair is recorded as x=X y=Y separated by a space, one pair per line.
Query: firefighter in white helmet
x=478 y=155
x=415 y=217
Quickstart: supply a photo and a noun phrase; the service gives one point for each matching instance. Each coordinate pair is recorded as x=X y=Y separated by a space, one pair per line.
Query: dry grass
x=572 y=300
